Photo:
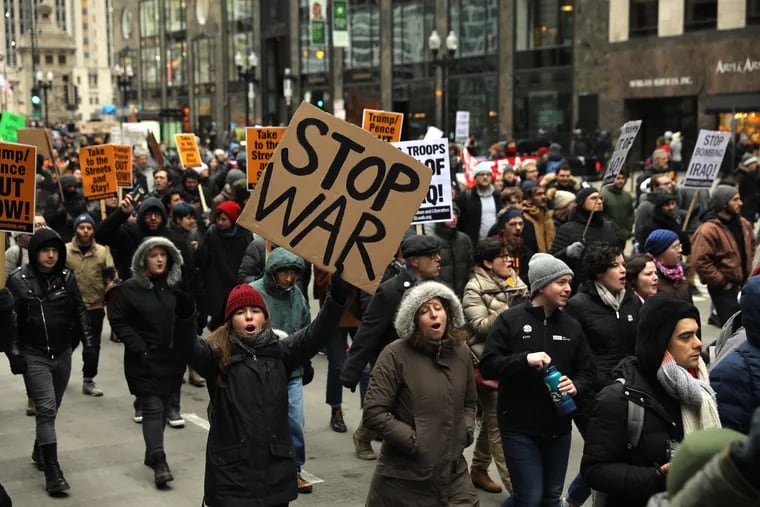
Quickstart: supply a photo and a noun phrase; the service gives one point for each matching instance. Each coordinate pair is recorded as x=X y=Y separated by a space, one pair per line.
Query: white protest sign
x=625 y=141
x=436 y=207
x=433 y=133
x=462 y=128
x=706 y=159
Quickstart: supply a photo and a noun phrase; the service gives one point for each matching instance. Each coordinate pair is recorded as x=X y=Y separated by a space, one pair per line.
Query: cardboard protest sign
x=39 y=138
x=18 y=165
x=337 y=196
x=462 y=127
x=155 y=149
x=122 y=164
x=134 y=134
x=436 y=207
x=98 y=173
x=189 y=154
x=706 y=159
x=9 y=125
x=259 y=146
x=385 y=125
x=625 y=141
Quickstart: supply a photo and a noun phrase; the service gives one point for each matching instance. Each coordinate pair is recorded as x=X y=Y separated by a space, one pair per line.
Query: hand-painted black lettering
x=358 y=170
x=346 y=146
x=359 y=240
x=313 y=162
x=391 y=183
x=263 y=210
x=321 y=222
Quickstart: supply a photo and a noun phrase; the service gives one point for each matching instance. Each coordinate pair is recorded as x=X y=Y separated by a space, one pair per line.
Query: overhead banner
x=18 y=166
x=9 y=125
x=434 y=154
x=260 y=143
x=122 y=164
x=706 y=159
x=98 y=173
x=317 y=19
x=462 y=128
x=627 y=135
x=188 y=151
x=340 y=23
x=337 y=196
x=385 y=125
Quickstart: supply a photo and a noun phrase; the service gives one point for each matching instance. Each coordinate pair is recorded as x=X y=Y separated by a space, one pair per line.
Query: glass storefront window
x=412 y=24
x=364 y=33
x=203 y=62
x=175 y=64
x=148 y=19
x=747 y=124
x=542 y=101
x=541 y=24
x=151 y=60
x=314 y=57
x=239 y=10
x=476 y=24
x=479 y=96
x=239 y=43
x=175 y=15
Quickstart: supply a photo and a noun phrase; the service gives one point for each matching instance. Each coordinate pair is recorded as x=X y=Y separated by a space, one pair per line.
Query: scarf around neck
x=608 y=298
x=674 y=274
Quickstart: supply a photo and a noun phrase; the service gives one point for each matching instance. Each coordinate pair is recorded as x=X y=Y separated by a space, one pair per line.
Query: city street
x=101 y=449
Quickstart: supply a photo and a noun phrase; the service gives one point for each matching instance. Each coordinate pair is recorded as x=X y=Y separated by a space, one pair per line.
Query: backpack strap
x=635 y=421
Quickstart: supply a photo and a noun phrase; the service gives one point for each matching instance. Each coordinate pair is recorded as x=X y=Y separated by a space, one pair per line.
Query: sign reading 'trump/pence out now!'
x=17 y=193
x=385 y=125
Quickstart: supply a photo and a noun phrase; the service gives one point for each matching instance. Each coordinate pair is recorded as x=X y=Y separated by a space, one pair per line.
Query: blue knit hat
x=84 y=218
x=659 y=240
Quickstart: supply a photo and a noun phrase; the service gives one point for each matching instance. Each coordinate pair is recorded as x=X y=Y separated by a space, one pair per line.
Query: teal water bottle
x=563 y=402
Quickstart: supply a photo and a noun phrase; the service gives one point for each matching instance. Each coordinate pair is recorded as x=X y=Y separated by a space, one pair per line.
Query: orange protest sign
x=188 y=150
x=385 y=125
x=122 y=163
x=98 y=173
x=260 y=143
x=17 y=178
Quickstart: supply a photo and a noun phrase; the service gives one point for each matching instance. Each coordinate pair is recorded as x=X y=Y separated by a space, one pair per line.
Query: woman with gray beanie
x=422 y=400
x=523 y=342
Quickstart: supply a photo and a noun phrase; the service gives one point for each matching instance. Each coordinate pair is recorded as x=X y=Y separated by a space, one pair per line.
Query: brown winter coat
x=716 y=253
x=668 y=288
x=422 y=400
x=543 y=224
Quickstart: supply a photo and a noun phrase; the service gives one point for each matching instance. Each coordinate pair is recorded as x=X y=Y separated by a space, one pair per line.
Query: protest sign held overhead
x=39 y=138
x=434 y=154
x=627 y=135
x=98 y=173
x=18 y=164
x=385 y=125
x=122 y=163
x=10 y=123
x=706 y=159
x=188 y=151
x=260 y=143
x=337 y=196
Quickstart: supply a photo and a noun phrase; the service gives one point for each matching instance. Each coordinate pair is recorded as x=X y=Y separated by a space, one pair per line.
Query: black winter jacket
x=456 y=258
x=470 y=211
x=524 y=405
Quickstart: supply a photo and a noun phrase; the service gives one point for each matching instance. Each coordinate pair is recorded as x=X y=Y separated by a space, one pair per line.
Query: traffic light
x=318 y=98
x=36 y=104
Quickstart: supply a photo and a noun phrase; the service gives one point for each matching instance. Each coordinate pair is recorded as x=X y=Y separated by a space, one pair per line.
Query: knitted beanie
x=233 y=175
x=659 y=240
x=482 y=168
x=82 y=219
x=563 y=198
x=543 y=269
x=510 y=213
x=241 y=296
x=231 y=209
x=583 y=194
x=182 y=209
x=721 y=195
x=419 y=295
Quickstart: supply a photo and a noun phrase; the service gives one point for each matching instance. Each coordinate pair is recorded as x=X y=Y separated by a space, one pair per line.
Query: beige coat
x=89 y=268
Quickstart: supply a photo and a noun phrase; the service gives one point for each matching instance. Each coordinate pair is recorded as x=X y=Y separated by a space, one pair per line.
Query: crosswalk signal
x=318 y=98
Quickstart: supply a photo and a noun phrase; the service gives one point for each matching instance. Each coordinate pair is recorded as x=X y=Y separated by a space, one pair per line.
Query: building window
x=148 y=19
x=541 y=24
x=700 y=15
x=175 y=13
x=642 y=17
x=203 y=61
x=753 y=12
x=476 y=23
x=412 y=24
x=364 y=30
x=61 y=59
x=48 y=59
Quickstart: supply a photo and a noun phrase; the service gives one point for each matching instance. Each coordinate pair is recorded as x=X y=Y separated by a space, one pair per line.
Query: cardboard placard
x=337 y=196
x=39 y=138
x=155 y=150
x=462 y=127
x=385 y=125
x=627 y=135
x=10 y=123
x=134 y=134
x=434 y=154
x=122 y=164
x=188 y=151
x=98 y=173
x=18 y=165
x=259 y=146
x=707 y=157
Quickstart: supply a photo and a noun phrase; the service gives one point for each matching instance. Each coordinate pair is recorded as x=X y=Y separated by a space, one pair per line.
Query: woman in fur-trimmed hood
x=422 y=400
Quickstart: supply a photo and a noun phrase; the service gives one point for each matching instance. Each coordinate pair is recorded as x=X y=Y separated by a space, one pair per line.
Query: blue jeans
x=295 y=418
x=537 y=466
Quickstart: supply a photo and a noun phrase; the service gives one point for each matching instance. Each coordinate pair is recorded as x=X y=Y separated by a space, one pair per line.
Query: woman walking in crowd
x=666 y=381
x=641 y=274
x=148 y=317
x=493 y=288
x=665 y=248
x=422 y=400
x=524 y=341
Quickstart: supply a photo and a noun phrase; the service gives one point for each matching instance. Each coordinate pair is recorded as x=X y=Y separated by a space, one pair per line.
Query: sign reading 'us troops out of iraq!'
x=337 y=196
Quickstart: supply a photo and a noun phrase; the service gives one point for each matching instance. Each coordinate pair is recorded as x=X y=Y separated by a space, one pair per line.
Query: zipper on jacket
x=44 y=324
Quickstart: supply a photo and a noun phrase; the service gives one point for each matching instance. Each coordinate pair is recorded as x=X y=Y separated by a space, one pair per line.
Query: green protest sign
x=9 y=125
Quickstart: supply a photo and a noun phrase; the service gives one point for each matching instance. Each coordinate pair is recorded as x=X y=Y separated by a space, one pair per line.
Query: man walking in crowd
x=535 y=210
x=618 y=209
x=478 y=206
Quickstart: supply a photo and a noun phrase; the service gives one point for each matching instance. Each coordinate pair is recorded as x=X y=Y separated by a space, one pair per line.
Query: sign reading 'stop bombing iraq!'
x=706 y=159
x=337 y=196
x=434 y=153
x=17 y=178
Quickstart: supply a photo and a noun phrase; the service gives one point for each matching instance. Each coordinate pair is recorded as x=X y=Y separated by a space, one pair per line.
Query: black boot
x=37 y=457
x=161 y=472
x=54 y=480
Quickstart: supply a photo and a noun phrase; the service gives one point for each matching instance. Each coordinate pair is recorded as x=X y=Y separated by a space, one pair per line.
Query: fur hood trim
x=416 y=297
x=139 y=272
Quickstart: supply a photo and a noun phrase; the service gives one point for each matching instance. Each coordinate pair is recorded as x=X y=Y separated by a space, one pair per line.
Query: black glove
x=340 y=289
x=746 y=455
x=575 y=250
x=185 y=305
x=349 y=385
x=18 y=363
x=109 y=273
x=308 y=373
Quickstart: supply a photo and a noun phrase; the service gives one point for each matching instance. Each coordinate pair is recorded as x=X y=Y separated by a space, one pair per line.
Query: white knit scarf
x=608 y=298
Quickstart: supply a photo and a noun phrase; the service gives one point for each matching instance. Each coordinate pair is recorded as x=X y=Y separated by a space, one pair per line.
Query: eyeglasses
x=503 y=256
x=678 y=247
x=434 y=256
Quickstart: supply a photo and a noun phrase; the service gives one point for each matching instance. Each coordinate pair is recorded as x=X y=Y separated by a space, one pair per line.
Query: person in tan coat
x=535 y=210
x=422 y=400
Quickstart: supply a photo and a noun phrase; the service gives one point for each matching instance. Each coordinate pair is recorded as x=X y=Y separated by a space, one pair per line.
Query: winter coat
x=543 y=225
x=422 y=400
x=716 y=253
x=550 y=183
x=456 y=258
x=618 y=210
x=94 y=270
x=660 y=220
x=287 y=309
x=524 y=405
x=15 y=257
x=142 y=315
x=252 y=266
x=51 y=317
x=250 y=459
x=675 y=290
x=470 y=210
x=60 y=214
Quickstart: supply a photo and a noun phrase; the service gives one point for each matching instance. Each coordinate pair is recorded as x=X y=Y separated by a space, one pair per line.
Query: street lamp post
x=45 y=83
x=247 y=75
x=124 y=75
x=287 y=91
x=442 y=78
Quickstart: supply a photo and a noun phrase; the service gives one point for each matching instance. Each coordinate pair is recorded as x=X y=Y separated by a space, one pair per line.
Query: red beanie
x=241 y=296
x=231 y=209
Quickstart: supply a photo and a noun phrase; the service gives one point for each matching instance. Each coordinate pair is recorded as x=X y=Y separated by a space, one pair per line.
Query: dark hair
x=506 y=195
x=564 y=166
x=634 y=265
x=488 y=249
x=598 y=258
x=159 y=169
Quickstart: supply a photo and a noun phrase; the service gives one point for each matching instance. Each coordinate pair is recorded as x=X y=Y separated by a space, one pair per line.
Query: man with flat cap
x=423 y=262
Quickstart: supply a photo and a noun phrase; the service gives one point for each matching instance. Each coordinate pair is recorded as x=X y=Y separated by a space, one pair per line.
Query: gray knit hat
x=543 y=269
x=721 y=195
x=419 y=295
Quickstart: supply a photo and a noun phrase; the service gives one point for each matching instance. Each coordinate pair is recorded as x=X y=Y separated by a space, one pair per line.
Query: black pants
x=154 y=411
x=725 y=302
x=46 y=381
x=90 y=363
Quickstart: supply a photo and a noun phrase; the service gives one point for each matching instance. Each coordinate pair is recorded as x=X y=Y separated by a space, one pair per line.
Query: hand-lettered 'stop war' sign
x=434 y=153
x=98 y=173
x=188 y=151
x=122 y=163
x=260 y=143
x=337 y=196
x=17 y=178
x=706 y=159
x=623 y=146
x=384 y=125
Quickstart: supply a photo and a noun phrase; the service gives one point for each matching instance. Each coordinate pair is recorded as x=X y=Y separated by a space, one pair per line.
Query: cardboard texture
x=385 y=125
x=155 y=149
x=259 y=147
x=98 y=173
x=188 y=150
x=9 y=126
x=39 y=138
x=122 y=163
x=337 y=196
x=18 y=164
